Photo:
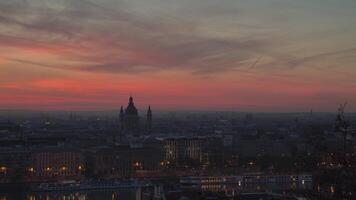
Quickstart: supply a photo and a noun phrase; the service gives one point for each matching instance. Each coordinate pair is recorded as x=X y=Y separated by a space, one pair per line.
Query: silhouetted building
x=13 y=163
x=124 y=162
x=122 y=119
x=129 y=119
x=111 y=163
x=149 y=120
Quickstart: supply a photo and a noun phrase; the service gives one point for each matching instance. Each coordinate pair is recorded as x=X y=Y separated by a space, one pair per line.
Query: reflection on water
x=136 y=194
x=133 y=194
x=257 y=187
x=267 y=187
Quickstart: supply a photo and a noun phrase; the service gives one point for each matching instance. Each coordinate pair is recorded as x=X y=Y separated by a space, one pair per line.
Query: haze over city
x=271 y=55
x=177 y=99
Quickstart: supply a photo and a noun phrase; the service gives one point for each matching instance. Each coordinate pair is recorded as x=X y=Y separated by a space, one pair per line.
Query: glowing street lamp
x=31 y=169
x=3 y=169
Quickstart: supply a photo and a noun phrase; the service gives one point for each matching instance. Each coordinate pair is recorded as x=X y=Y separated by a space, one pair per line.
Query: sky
x=242 y=55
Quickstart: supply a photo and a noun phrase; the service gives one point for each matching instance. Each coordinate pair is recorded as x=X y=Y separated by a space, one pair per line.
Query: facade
x=13 y=163
x=183 y=151
x=147 y=159
x=111 y=163
x=23 y=165
x=195 y=151
x=56 y=164
x=124 y=162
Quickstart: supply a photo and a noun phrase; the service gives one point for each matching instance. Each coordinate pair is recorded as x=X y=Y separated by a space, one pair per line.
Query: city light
x=332 y=189
x=31 y=169
x=3 y=169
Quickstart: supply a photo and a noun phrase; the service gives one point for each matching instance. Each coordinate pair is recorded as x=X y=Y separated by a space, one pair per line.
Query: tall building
x=131 y=116
x=122 y=119
x=130 y=120
x=149 y=120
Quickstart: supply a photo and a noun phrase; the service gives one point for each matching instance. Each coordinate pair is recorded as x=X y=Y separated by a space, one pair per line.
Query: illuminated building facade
x=56 y=164
x=183 y=151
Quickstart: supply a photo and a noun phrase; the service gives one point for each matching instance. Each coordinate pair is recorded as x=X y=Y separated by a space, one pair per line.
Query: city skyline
x=274 y=55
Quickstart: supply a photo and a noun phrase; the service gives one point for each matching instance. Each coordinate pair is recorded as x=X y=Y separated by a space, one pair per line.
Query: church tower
x=122 y=119
x=131 y=118
x=149 y=120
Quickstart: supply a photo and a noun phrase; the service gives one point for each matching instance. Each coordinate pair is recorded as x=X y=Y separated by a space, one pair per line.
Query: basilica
x=130 y=120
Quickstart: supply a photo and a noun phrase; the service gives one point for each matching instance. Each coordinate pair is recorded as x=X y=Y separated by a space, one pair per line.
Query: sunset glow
x=203 y=54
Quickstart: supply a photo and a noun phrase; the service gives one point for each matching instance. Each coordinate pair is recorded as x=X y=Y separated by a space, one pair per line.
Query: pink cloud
x=106 y=92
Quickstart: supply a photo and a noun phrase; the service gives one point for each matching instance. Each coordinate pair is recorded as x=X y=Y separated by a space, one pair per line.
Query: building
x=147 y=161
x=13 y=163
x=110 y=163
x=56 y=164
x=149 y=121
x=130 y=120
x=184 y=150
x=196 y=151
x=124 y=162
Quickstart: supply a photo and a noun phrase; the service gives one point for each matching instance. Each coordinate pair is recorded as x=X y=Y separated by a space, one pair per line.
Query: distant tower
x=149 y=120
x=343 y=126
x=122 y=119
x=131 y=118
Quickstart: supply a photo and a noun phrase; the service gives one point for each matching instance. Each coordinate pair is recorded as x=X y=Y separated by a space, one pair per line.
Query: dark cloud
x=339 y=55
x=114 y=37
x=161 y=44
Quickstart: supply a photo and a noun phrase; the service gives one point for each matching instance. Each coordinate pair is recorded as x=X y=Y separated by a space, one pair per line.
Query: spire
x=131 y=109
x=122 y=114
x=149 y=113
x=121 y=123
x=121 y=109
x=149 y=109
x=149 y=120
